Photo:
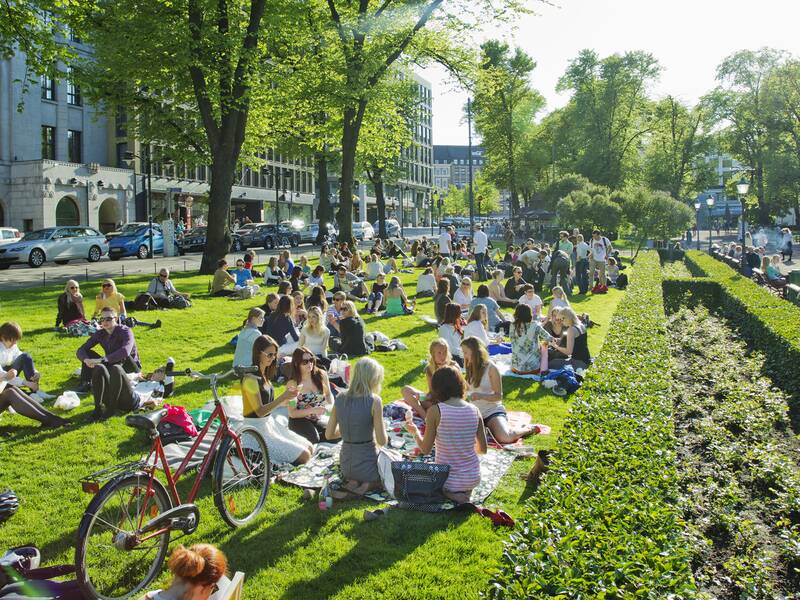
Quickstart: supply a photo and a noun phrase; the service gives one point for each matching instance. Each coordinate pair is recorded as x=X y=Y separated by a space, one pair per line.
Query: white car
x=9 y=235
x=363 y=231
x=59 y=244
x=392 y=227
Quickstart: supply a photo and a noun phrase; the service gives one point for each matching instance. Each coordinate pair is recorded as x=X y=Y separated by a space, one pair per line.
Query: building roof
x=448 y=154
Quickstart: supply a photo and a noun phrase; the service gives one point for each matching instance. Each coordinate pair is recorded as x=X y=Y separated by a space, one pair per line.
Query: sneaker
x=156 y=325
x=42 y=395
x=580 y=372
x=550 y=383
x=559 y=391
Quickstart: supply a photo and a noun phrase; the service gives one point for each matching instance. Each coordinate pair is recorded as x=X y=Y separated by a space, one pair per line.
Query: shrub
x=604 y=522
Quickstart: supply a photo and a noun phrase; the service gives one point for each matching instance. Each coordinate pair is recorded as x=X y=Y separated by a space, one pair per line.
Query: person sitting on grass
x=304 y=266
x=296 y=279
x=514 y=285
x=555 y=327
x=438 y=356
x=498 y=320
x=250 y=258
x=450 y=331
x=107 y=376
x=109 y=297
x=163 y=290
x=281 y=327
x=15 y=362
x=559 y=300
x=485 y=391
x=526 y=340
x=334 y=313
x=222 y=279
x=396 y=300
x=357 y=417
x=244 y=277
x=376 y=296
x=325 y=259
x=441 y=299
x=71 y=312
x=463 y=295
x=576 y=343
x=352 y=339
x=247 y=336
x=497 y=291
x=374 y=267
x=426 y=284
x=478 y=324
x=532 y=299
x=317 y=298
x=350 y=284
x=272 y=274
x=317 y=276
x=315 y=336
x=285 y=262
x=259 y=401
x=269 y=306
x=314 y=397
x=196 y=573
x=22 y=404
x=453 y=427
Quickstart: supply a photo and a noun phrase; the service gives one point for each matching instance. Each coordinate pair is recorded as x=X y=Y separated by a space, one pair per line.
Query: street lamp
x=710 y=204
x=742 y=187
x=697 y=220
x=403 y=191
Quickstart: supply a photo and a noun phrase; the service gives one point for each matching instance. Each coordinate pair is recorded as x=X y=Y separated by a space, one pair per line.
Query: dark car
x=194 y=240
x=269 y=236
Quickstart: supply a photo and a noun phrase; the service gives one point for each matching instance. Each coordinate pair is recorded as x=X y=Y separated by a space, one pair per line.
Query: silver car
x=59 y=244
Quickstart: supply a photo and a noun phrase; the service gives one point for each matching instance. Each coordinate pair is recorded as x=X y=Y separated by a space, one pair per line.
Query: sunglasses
x=162 y=275
x=307 y=361
x=104 y=285
x=106 y=319
x=270 y=354
x=75 y=287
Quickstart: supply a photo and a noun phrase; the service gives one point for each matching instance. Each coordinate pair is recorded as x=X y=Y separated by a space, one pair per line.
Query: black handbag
x=419 y=485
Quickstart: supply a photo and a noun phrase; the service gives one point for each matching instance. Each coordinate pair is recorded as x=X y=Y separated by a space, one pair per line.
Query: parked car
x=194 y=240
x=59 y=244
x=362 y=231
x=308 y=234
x=269 y=236
x=293 y=227
x=9 y=235
x=392 y=227
x=126 y=229
x=137 y=243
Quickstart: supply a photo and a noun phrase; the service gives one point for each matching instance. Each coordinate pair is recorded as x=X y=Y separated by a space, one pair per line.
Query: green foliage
x=486 y=196
x=584 y=211
x=567 y=183
x=655 y=215
x=604 y=523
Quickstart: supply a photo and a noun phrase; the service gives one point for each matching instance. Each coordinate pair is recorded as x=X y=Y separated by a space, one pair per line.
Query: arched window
x=67 y=212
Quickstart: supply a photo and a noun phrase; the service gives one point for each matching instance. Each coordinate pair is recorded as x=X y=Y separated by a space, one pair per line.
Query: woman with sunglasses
x=162 y=289
x=109 y=297
x=314 y=397
x=259 y=402
x=71 y=312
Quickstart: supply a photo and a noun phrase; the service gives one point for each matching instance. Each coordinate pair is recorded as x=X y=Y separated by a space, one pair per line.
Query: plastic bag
x=69 y=400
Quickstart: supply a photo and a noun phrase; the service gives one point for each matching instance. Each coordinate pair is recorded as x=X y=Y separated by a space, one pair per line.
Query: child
x=559 y=301
x=530 y=298
x=12 y=360
x=612 y=271
x=438 y=357
x=375 y=300
x=304 y=265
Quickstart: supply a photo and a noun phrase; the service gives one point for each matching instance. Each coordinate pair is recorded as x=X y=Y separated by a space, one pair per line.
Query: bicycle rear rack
x=92 y=483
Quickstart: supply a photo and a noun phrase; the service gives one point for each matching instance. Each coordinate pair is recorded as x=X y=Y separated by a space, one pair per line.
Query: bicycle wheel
x=106 y=568
x=241 y=487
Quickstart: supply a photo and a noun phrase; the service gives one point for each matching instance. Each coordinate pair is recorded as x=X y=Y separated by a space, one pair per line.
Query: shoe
x=54 y=423
x=559 y=391
x=550 y=383
x=42 y=395
x=84 y=388
x=156 y=325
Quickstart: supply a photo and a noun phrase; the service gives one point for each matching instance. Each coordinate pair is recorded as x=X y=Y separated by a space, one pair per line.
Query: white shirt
x=599 y=250
x=529 y=257
x=461 y=298
x=318 y=344
x=373 y=269
x=444 y=242
x=449 y=334
x=582 y=250
x=8 y=355
x=481 y=242
x=426 y=283
x=535 y=303
x=477 y=330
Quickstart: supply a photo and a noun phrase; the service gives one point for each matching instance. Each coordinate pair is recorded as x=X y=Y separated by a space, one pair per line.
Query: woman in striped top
x=454 y=427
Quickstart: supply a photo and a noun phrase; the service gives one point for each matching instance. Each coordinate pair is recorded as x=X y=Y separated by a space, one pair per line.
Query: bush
x=604 y=522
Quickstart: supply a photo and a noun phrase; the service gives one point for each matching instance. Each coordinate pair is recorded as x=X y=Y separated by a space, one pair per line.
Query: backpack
x=177 y=301
x=145 y=302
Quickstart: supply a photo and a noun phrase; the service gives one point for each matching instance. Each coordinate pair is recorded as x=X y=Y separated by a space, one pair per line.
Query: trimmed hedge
x=768 y=323
x=605 y=522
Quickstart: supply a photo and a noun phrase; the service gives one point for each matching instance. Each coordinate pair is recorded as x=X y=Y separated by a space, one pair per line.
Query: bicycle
x=125 y=532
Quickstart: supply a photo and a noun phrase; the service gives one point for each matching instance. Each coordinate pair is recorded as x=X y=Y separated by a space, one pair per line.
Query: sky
x=689 y=39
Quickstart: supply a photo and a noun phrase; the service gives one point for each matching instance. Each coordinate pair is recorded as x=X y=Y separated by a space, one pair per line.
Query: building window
x=48 y=88
x=74 y=37
x=120 y=122
x=73 y=93
x=48 y=142
x=122 y=148
x=74 y=146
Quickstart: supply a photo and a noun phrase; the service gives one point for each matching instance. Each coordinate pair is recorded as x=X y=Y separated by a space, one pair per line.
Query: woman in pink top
x=454 y=427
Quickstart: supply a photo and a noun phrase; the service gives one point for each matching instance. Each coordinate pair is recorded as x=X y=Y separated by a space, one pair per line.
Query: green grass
x=292 y=550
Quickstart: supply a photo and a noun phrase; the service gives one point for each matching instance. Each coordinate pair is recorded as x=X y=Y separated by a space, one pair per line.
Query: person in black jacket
x=441 y=299
x=70 y=305
x=352 y=331
x=280 y=326
x=515 y=283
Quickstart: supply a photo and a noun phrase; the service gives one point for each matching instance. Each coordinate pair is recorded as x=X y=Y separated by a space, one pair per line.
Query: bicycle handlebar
x=238 y=371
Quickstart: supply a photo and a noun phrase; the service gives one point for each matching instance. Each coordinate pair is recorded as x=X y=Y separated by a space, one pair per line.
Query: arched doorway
x=108 y=215
x=67 y=212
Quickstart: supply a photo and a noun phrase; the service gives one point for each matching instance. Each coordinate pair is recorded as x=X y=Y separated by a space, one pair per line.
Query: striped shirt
x=455 y=446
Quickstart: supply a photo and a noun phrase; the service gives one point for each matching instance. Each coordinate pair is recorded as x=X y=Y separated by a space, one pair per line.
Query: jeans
x=127 y=365
x=112 y=390
x=480 y=264
x=582 y=275
x=23 y=364
x=375 y=301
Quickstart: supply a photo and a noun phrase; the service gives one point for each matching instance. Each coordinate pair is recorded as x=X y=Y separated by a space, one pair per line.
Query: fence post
x=86 y=269
x=184 y=266
x=44 y=279
x=123 y=271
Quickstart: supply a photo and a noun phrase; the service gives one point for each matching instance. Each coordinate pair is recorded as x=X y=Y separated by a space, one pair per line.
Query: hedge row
x=767 y=322
x=604 y=522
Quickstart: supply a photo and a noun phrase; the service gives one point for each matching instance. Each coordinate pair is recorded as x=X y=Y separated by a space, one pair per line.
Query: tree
x=655 y=215
x=505 y=106
x=186 y=74
x=586 y=212
x=675 y=153
x=738 y=104
x=609 y=113
x=486 y=195
x=564 y=185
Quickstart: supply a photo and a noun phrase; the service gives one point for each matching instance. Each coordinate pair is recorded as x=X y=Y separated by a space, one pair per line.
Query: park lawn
x=292 y=550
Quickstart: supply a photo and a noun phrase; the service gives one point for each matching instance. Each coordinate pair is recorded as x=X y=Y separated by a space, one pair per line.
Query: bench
x=774 y=286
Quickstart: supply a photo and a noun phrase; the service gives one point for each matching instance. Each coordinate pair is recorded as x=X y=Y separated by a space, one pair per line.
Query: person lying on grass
x=454 y=428
x=438 y=356
x=357 y=417
x=485 y=391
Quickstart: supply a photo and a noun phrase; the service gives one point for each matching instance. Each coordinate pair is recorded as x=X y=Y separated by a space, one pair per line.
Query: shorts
x=499 y=413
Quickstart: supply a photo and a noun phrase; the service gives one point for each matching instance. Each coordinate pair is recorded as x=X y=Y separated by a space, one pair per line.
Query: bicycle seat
x=146 y=421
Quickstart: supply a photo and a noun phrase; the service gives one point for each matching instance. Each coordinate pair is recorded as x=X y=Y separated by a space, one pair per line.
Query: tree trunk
x=353 y=117
x=218 y=237
x=324 y=215
x=376 y=177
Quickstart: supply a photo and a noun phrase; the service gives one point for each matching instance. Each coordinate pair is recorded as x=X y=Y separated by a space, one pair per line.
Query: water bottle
x=169 y=379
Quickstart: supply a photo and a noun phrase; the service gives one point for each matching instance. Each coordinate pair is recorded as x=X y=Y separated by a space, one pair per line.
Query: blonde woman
x=109 y=297
x=352 y=332
x=315 y=335
x=438 y=356
x=71 y=312
x=357 y=417
x=575 y=342
x=497 y=290
x=485 y=392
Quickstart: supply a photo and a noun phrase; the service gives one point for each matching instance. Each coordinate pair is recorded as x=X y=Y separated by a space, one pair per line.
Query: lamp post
x=271 y=171
x=697 y=220
x=742 y=187
x=430 y=208
x=403 y=191
x=709 y=204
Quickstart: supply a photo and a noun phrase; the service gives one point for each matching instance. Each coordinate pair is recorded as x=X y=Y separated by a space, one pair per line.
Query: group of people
x=756 y=257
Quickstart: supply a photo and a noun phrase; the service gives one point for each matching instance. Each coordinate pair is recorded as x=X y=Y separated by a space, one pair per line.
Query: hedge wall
x=604 y=522
x=767 y=322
